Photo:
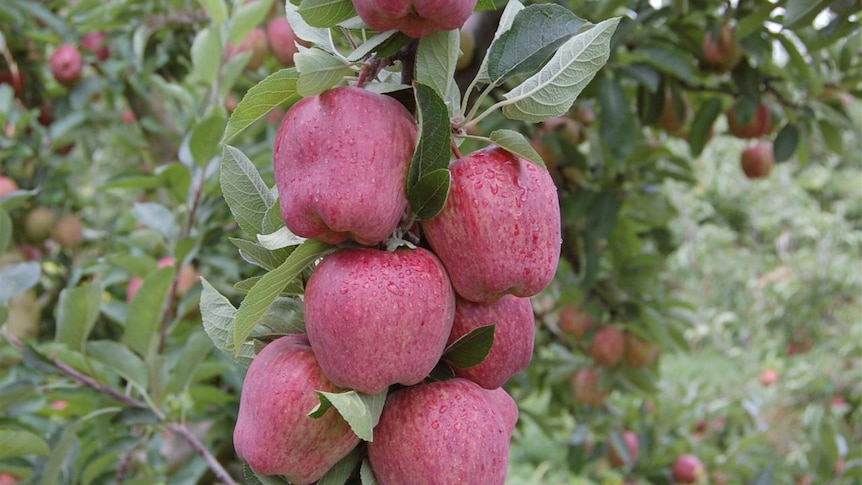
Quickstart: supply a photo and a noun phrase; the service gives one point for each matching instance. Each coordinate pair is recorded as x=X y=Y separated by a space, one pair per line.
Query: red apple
x=608 y=346
x=499 y=232
x=416 y=18
x=66 y=64
x=95 y=42
x=584 y=385
x=127 y=116
x=674 y=112
x=444 y=432
x=254 y=42
x=768 y=377
x=8 y=479
x=376 y=318
x=7 y=186
x=632 y=444
x=688 y=469
x=758 y=160
x=721 y=51
x=273 y=432
x=16 y=81
x=282 y=40
x=574 y=321
x=341 y=160
x=638 y=353
x=755 y=127
x=513 y=338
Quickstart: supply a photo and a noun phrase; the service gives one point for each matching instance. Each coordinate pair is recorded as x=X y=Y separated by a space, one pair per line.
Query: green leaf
x=18 y=278
x=435 y=62
x=318 y=71
x=206 y=55
x=367 y=47
x=427 y=192
x=320 y=37
x=281 y=238
x=284 y=317
x=260 y=256
x=326 y=13
x=16 y=199
x=176 y=178
x=366 y=474
x=428 y=196
x=799 y=13
x=832 y=135
x=361 y=411
x=196 y=348
x=471 y=349
x=618 y=129
x=246 y=17
x=19 y=442
x=5 y=233
x=216 y=9
x=218 y=316
x=786 y=142
x=341 y=471
x=121 y=360
x=271 y=285
x=158 y=218
x=516 y=143
x=506 y=19
x=702 y=125
x=668 y=59
x=205 y=137
x=246 y=194
x=277 y=89
x=536 y=32
x=145 y=312
x=552 y=90
x=77 y=311
x=485 y=5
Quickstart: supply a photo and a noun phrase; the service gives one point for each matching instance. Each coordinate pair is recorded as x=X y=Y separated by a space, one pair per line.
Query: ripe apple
x=638 y=353
x=721 y=51
x=254 y=42
x=282 y=40
x=66 y=64
x=96 y=43
x=127 y=116
x=499 y=232
x=16 y=81
x=585 y=387
x=443 y=432
x=757 y=126
x=758 y=160
x=674 y=112
x=688 y=469
x=574 y=321
x=7 y=185
x=68 y=232
x=273 y=433
x=8 y=479
x=340 y=161
x=416 y=18
x=513 y=337
x=38 y=224
x=376 y=318
x=768 y=377
x=632 y=443
x=608 y=346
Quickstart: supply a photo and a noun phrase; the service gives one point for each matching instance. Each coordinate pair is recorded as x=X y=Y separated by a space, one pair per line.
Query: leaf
x=246 y=17
x=786 y=142
x=366 y=474
x=667 y=59
x=516 y=143
x=206 y=53
x=702 y=124
x=832 y=135
x=428 y=196
x=19 y=277
x=361 y=411
x=216 y=10
x=799 y=13
x=485 y=5
x=144 y=315
x=77 y=311
x=326 y=13
x=271 y=285
x=277 y=89
x=260 y=256
x=431 y=155
x=282 y=238
x=320 y=37
x=176 y=178
x=367 y=47
x=196 y=348
x=552 y=90
x=158 y=218
x=246 y=194
x=618 y=129
x=509 y=12
x=471 y=349
x=5 y=234
x=341 y=471
x=284 y=317
x=19 y=442
x=536 y=32
x=121 y=360
x=205 y=137
x=218 y=316
x=435 y=62
x=318 y=71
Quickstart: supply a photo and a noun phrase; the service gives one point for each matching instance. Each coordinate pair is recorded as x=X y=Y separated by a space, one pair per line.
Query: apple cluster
x=379 y=320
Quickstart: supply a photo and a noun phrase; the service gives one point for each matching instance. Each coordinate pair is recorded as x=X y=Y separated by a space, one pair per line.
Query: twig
x=216 y=467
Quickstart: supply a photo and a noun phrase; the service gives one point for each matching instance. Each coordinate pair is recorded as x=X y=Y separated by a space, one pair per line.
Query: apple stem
x=407 y=56
x=455 y=150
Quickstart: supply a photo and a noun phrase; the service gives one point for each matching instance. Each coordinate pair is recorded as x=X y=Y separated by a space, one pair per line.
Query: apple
x=443 y=432
x=638 y=353
x=416 y=18
x=468 y=49
x=38 y=224
x=584 y=385
x=499 y=231
x=187 y=277
x=608 y=346
x=340 y=161
x=8 y=479
x=757 y=160
x=574 y=321
x=95 y=42
x=14 y=80
x=273 y=432
x=128 y=117
x=66 y=64
x=254 y=42
x=632 y=444
x=376 y=318
x=674 y=112
x=7 y=185
x=68 y=232
x=721 y=51
x=282 y=40
x=755 y=127
x=768 y=377
x=513 y=337
x=688 y=469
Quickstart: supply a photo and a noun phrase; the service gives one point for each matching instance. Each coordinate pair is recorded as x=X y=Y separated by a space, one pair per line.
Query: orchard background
x=744 y=294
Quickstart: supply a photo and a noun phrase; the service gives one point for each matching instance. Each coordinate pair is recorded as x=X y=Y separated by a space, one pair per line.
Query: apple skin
x=16 y=81
x=584 y=385
x=415 y=18
x=632 y=443
x=674 y=114
x=443 y=432
x=638 y=353
x=499 y=232
x=282 y=40
x=722 y=53
x=66 y=64
x=758 y=160
x=376 y=318
x=608 y=346
x=340 y=161
x=68 y=232
x=513 y=338
x=757 y=126
x=7 y=185
x=273 y=433
x=768 y=377
x=574 y=321
x=688 y=469
x=254 y=42
x=38 y=224
x=95 y=43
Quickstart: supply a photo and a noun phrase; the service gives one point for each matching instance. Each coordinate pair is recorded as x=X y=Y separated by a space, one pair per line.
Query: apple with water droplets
x=416 y=18
x=499 y=232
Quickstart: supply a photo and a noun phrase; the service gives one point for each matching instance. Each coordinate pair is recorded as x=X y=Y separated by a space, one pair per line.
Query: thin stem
x=478 y=101
x=218 y=470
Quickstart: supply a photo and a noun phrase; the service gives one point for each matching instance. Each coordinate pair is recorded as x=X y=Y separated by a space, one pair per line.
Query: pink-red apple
x=341 y=160
x=69 y=232
x=254 y=42
x=96 y=43
x=688 y=469
x=584 y=385
x=768 y=377
x=574 y=321
x=376 y=318
x=66 y=64
x=755 y=127
x=416 y=18
x=273 y=432
x=758 y=160
x=7 y=185
x=16 y=81
x=499 y=232
x=721 y=51
x=638 y=353
x=443 y=432
x=282 y=40
x=608 y=346
x=513 y=337
x=632 y=444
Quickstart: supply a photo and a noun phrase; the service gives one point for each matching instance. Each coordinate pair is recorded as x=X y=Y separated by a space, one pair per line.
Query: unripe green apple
x=513 y=337
x=499 y=232
x=66 y=64
x=96 y=43
x=758 y=160
x=608 y=346
x=273 y=432
x=340 y=161
x=416 y=18
x=38 y=224
x=632 y=444
x=688 y=469
x=721 y=51
x=7 y=185
x=584 y=385
x=444 y=432
x=757 y=126
x=574 y=321
x=68 y=232
x=638 y=353
x=376 y=318
x=282 y=40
